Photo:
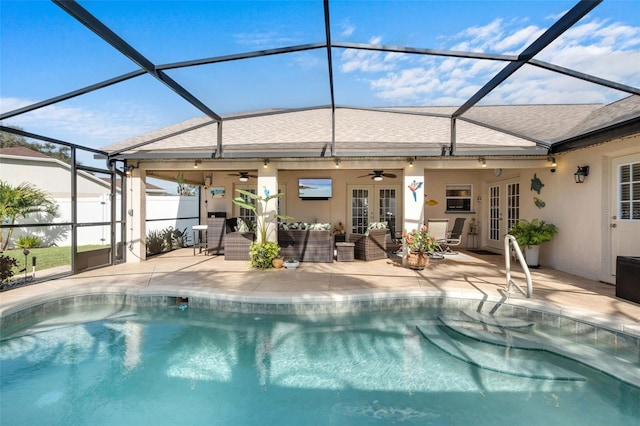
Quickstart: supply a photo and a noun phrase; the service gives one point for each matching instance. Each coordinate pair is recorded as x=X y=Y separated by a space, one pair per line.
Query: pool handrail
x=511 y=240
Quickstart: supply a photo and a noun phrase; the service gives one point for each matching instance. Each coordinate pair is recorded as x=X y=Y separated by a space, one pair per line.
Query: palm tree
x=19 y=202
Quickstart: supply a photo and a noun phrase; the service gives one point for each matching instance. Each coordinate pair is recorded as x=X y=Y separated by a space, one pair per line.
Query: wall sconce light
x=128 y=170
x=552 y=160
x=410 y=160
x=265 y=164
x=196 y=164
x=581 y=173
x=483 y=161
x=337 y=163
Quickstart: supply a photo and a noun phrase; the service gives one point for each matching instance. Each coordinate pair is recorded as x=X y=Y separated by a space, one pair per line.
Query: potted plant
x=278 y=262
x=291 y=263
x=530 y=234
x=262 y=252
x=420 y=245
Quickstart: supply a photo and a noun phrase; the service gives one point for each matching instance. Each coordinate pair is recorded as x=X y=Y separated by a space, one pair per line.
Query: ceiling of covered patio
x=301 y=80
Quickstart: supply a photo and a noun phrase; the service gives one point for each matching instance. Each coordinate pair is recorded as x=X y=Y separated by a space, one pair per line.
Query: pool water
x=201 y=367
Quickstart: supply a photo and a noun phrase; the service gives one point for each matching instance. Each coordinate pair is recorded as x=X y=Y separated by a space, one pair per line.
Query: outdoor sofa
x=306 y=242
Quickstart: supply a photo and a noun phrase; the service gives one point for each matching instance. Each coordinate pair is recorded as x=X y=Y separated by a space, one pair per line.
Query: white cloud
x=264 y=38
x=107 y=124
x=604 y=49
x=518 y=40
x=346 y=29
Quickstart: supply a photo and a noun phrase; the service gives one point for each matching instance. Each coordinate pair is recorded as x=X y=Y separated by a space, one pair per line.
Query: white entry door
x=624 y=220
x=504 y=211
x=372 y=203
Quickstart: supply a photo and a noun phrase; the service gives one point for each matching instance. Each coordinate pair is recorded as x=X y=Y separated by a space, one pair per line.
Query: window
x=245 y=214
x=629 y=176
x=458 y=198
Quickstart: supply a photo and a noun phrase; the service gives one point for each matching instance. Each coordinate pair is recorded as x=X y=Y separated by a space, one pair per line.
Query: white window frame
x=458 y=186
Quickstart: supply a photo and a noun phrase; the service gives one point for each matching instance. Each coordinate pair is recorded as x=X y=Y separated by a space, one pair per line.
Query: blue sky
x=45 y=52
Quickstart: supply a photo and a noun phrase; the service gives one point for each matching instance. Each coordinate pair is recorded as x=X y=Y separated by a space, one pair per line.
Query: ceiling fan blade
x=370 y=174
x=389 y=175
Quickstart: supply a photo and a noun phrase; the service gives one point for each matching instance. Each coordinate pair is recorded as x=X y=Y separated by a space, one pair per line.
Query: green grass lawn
x=48 y=257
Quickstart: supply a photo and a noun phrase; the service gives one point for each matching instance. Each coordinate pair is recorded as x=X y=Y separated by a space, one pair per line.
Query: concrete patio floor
x=466 y=275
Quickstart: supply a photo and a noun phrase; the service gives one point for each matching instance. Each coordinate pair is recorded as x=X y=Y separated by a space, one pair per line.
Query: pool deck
x=466 y=275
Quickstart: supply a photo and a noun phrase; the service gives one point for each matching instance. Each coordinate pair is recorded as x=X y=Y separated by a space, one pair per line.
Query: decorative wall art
x=217 y=191
x=413 y=187
x=536 y=184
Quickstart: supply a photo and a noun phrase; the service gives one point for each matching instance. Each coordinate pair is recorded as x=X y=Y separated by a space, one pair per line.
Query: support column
x=413 y=201
x=136 y=215
x=268 y=185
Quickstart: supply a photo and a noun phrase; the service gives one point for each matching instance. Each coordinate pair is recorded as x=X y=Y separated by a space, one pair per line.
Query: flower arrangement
x=419 y=240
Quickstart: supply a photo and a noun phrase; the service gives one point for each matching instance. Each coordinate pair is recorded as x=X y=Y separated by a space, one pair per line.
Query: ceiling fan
x=243 y=176
x=377 y=175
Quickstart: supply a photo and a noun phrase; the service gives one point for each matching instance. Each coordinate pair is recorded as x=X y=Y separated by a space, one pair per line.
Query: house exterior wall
x=582 y=211
x=48 y=176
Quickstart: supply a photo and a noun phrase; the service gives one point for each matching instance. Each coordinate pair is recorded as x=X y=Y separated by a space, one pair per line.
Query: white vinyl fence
x=162 y=212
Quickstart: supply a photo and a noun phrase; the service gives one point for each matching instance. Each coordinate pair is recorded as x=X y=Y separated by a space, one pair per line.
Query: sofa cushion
x=375 y=225
x=231 y=224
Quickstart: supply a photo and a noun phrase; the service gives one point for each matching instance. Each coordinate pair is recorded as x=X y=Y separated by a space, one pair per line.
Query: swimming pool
x=105 y=365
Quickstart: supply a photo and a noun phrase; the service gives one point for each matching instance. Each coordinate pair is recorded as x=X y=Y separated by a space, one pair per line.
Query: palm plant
x=262 y=252
x=258 y=205
x=20 y=201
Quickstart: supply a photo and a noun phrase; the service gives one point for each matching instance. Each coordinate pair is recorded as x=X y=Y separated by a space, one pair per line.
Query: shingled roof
x=528 y=129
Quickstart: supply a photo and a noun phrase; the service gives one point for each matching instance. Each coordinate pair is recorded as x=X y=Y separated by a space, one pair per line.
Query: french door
x=504 y=211
x=372 y=203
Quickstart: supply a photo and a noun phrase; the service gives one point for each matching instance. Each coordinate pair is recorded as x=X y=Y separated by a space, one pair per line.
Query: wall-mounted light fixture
x=552 y=160
x=337 y=163
x=483 y=161
x=196 y=164
x=128 y=170
x=265 y=164
x=410 y=161
x=581 y=173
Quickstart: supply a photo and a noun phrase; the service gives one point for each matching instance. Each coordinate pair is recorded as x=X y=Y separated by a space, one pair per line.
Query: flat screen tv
x=314 y=188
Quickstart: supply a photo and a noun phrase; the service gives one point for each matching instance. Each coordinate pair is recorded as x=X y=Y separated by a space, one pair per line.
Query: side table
x=201 y=242
x=474 y=240
x=344 y=252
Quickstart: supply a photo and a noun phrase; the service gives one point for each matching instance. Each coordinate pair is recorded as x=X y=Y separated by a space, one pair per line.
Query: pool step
x=494 y=351
x=498 y=321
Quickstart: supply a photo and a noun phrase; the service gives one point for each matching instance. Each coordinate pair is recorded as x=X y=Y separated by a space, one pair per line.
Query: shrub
x=167 y=236
x=180 y=237
x=28 y=241
x=261 y=254
x=7 y=264
x=155 y=242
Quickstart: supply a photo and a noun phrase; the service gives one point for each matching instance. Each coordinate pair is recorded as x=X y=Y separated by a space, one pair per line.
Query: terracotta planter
x=417 y=260
x=278 y=262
